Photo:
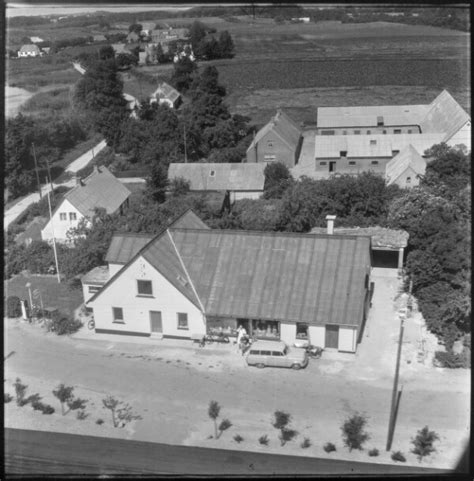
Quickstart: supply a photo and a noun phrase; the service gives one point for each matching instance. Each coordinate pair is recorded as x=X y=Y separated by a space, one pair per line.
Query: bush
x=20 y=390
x=64 y=325
x=238 y=438
x=329 y=447
x=353 y=432
x=7 y=397
x=263 y=440
x=81 y=415
x=423 y=442
x=13 y=306
x=306 y=443
x=374 y=452
x=99 y=421
x=44 y=408
x=77 y=403
x=223 y=426
x=398 y=456
x=450 y=359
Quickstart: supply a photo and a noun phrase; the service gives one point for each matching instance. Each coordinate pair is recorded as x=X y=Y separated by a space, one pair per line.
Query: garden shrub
x=398 y=456
x=374 y=452
x=423 y=442
x=450 y=359
x=329 y=447
x=13 y=306
x=64 y=325
x=263 y=440
x=306 y=443
x=20 y=390
x=238 y=438
x=353 y=432
x=7 y=397
x=81 y=414
x=99 y=421
x=44 y=408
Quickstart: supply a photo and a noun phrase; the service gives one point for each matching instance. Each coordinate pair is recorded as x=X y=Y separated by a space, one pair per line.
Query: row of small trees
x=121 y=412
x=353 y=429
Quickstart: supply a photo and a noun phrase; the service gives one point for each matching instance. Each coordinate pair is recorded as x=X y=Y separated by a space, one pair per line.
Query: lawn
x=54 y=295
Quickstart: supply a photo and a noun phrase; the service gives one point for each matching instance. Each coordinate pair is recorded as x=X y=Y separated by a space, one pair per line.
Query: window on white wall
x=408 y=180
x=269 y=157
x=63 y=216
x=301 y=330
x=93 y=289
x=72 y=216
x=183 y=320
x=144 y=288
x=118 y=315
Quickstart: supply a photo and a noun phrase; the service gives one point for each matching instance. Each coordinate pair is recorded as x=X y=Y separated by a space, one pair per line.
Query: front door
x=332 y=166
x=155 y=322
x=332 y=336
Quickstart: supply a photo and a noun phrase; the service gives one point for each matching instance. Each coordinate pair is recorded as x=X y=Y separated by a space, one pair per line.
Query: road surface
x=39 y=452
x=15 y=211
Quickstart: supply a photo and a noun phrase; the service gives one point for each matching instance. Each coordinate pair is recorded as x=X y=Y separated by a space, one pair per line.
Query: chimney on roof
x=76 y=179
x=330 y=221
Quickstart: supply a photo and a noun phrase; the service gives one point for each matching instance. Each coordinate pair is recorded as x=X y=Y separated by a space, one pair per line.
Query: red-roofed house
x=101 y=189
x=188 y=280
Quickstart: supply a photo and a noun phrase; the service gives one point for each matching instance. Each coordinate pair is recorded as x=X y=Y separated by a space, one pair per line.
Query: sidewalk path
x=14 y=212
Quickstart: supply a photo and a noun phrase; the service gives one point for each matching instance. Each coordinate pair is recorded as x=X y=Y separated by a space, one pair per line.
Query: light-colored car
x=276 y=354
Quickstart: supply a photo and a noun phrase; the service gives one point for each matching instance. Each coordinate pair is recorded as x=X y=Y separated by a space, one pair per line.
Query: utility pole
x=49 y=175
x=393 y=408
x=36 y=169
x=54 y=241
x=185 y=150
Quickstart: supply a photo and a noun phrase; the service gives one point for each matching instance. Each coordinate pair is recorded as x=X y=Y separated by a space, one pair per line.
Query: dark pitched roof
x=282 y=126
x=101 y=189
x=124 y=246
x=226 y=176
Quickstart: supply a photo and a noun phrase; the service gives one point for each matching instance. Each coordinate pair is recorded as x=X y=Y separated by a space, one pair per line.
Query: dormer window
x=408 y=180
x=343 y=153
x=212 y=173
x=270 y=144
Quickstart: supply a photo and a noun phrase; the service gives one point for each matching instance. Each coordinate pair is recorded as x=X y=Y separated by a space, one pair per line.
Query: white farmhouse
x=101 y=189
x=30 y=50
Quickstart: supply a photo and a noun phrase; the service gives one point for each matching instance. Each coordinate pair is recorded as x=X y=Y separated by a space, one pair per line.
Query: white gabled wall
x=114 y=268
x=347 y=339
x=238 y=195
x=85 y=290
x=61 y=226
x=166 y=299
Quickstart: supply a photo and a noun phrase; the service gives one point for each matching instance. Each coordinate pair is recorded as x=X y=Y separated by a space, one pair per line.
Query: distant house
x=101 y=189
x=99 y=38
x=187 y=281
x=30 y=50
x=36 y=39
x=166 y=94
x=278 y=141
x=405 y=168
x=301 y=19
x=240 y=181
x=443 y=116
x=46 y=50
x=353 y=154
x=147 y=27
x=119 y=48
x=133 y=37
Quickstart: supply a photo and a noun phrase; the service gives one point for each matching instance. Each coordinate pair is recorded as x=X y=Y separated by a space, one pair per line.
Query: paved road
x=38 y=452
x=14 y=212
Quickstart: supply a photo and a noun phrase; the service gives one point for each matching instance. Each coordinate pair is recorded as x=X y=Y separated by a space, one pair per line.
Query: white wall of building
x=61 y=226
x=347 y=339
x=88 y=290
x=114 y=268
x=462 y=136
x=245 y=195
x=408 y=178
x=166 y=299
x=317 y=335
x=288 y=332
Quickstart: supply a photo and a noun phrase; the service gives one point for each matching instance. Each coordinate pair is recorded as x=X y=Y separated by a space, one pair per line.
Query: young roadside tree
x=353 y=433
x=423 y=443
x=282 y=419
x=277 y=179
x=213 y=412
x=157 y=183
x=65 y=396
x=111 y=403
x=20 y=391
x=223 y=426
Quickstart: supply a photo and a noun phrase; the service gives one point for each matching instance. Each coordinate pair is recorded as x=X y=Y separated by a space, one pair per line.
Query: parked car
x=276 y=354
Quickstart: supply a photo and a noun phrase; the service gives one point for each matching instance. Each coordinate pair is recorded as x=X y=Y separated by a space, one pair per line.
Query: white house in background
x=30 y=50
x=166 y=94
x=240 y=180
x=36 y=39
x=187 y=281
x=405 y=168
x=101 y=189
